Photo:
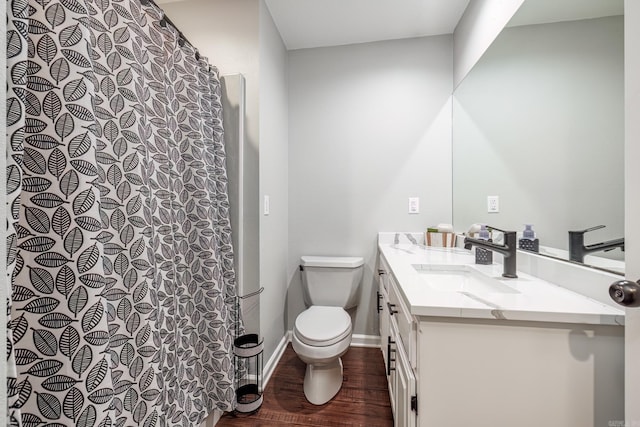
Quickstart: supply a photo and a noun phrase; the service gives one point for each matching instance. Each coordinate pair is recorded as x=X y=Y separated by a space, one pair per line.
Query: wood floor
x=362 y=401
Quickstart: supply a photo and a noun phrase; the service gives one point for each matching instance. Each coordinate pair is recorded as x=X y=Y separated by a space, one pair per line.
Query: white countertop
x=533 y=300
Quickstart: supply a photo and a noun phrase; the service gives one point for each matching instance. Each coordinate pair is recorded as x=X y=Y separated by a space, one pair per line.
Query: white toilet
x=322 y=333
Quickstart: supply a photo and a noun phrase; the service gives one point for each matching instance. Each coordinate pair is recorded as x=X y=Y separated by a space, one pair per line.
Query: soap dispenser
x=529 y=241
x=484 y=256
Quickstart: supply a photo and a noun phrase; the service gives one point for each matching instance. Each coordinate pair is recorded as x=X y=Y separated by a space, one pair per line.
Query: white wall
x=632 y=207
x=369 y=126
x=480 y=24
x=540 y=122
x=273 y=181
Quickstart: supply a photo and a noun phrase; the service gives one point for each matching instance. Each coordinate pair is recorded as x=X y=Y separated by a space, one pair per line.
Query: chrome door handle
x=625 y=292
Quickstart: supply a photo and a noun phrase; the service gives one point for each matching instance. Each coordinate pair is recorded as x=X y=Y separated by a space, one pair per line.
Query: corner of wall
x=273 y=180
x=480 y=24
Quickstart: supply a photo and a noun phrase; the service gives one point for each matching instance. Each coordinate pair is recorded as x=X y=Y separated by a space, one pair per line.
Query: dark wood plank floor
x=362 y=401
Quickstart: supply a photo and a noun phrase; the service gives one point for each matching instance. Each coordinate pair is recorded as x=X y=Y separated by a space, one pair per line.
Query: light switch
x=414 y=205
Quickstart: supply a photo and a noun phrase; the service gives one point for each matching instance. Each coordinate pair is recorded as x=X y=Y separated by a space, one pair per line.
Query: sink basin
x=460 y=278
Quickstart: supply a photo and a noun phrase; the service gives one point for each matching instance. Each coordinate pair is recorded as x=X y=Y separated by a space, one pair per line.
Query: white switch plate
x=267 y=206
x=414 y=205
x=493 y=204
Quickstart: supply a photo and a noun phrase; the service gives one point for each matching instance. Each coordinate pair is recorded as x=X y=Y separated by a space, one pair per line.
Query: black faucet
x=508 y=250
x=577 y=248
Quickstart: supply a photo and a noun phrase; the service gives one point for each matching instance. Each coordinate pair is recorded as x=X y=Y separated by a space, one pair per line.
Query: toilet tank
x=331 y=281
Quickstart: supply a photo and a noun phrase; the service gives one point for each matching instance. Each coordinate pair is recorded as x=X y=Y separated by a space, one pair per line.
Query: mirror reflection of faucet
x=507 y=249
x=577 y=248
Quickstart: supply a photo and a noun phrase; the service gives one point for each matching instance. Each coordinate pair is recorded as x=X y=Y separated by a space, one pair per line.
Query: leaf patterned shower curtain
x=123 y=308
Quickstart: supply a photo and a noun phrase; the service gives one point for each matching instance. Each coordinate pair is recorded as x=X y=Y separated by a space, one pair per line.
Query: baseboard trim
x=271 y=364
x=358 y=340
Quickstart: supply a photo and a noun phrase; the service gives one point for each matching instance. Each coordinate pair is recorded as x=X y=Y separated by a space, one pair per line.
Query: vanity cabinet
x=486 y=372
x=397 y=342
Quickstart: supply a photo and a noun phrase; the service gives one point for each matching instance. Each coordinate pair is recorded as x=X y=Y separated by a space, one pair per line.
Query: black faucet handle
x=597 y=227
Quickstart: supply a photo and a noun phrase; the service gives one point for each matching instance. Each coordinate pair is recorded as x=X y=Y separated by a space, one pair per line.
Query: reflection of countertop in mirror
x=589 y=260
x=526 y=298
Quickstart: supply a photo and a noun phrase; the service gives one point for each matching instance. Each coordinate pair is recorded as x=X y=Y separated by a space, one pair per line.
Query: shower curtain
x=123 y=308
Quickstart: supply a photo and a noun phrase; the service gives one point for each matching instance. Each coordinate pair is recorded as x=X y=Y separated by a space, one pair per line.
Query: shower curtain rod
x=166 y=20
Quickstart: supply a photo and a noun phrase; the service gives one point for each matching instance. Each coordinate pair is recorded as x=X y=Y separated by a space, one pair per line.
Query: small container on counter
x=529 y=241
x=484 y=256
x=440 y=236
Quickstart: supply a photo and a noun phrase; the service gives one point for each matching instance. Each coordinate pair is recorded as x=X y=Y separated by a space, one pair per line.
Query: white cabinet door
x=391 y=367
x=405 y=390
x=383 y=318
x=402 y=381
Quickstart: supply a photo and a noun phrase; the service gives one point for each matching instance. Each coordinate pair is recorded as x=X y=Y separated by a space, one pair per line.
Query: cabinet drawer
x=404 y=320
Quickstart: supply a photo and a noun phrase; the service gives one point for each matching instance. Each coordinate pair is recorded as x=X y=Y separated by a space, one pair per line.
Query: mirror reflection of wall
x=539 y=122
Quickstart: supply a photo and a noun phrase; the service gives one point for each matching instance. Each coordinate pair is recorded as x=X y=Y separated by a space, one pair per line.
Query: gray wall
x=273 y=181
x=369 y=126
x=539 y=122
x=480 y=24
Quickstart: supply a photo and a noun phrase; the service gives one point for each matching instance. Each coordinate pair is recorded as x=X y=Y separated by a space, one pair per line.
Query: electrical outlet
x=493 y=204
x=414 y=205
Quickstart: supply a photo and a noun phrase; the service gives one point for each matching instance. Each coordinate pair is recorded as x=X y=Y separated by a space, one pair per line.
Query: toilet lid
x=322 y=326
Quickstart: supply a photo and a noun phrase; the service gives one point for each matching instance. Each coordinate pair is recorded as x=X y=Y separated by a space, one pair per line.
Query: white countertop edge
x=525 y=316
x=457 y=307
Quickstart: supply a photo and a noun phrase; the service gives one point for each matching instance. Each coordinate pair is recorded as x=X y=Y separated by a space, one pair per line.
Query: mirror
x=539 y=122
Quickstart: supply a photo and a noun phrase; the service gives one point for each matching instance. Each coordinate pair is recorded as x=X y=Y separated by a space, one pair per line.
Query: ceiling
x=547 y=11
x=315 y=23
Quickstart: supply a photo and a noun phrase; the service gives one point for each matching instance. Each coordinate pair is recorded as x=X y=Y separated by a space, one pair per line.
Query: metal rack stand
x=248 y=349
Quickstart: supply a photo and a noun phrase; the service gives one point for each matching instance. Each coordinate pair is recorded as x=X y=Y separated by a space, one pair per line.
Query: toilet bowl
x=320 y=337
x=322 y=333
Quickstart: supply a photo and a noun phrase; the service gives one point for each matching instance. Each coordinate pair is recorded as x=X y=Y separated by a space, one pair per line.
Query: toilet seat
x=322 y=326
